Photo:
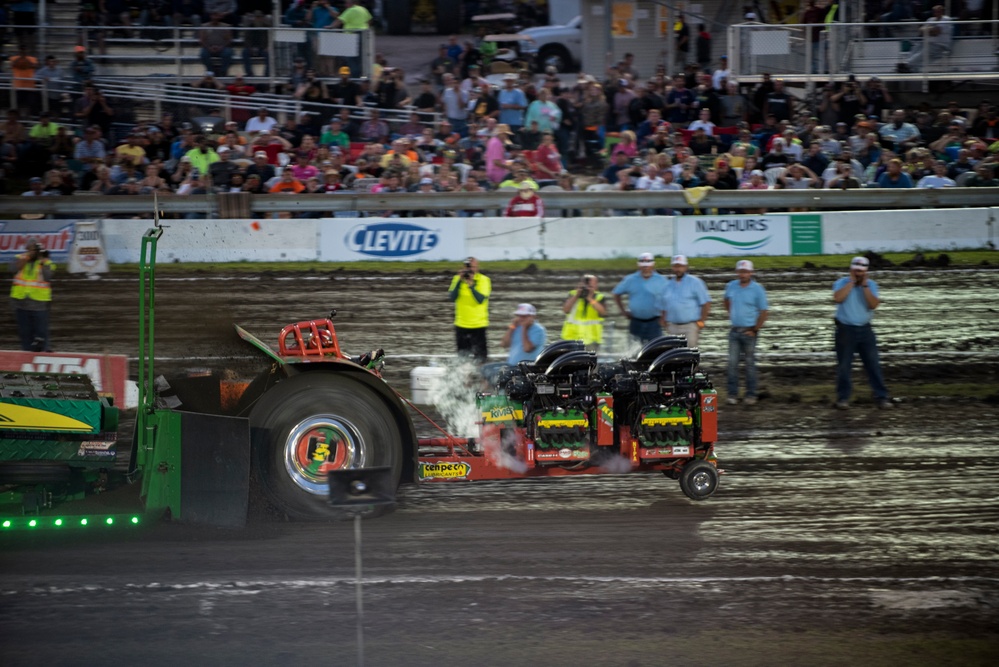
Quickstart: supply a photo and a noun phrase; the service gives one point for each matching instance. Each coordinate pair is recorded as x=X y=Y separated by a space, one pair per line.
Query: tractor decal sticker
x=444 y=470
x=565 y=453
x=502 y=414
x=96 y=448
x=667 y=421
x=21 y=416
x=606 y=412
x=563 y=423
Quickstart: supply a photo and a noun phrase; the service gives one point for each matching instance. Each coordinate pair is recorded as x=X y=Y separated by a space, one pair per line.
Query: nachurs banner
x=352 y=239
x=733 y=235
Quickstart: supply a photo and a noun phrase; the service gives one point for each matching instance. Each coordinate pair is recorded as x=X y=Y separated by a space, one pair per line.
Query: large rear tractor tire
x=311 y=423
x=699 y=479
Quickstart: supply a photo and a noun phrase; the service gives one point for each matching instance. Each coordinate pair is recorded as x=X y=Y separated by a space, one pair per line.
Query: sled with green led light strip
x=55 y=417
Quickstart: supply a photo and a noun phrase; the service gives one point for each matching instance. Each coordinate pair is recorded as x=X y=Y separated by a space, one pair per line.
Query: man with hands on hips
x=686 y=303
x=524 y=337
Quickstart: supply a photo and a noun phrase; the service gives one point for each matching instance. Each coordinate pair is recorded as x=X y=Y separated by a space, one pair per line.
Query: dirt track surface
x=852 y=538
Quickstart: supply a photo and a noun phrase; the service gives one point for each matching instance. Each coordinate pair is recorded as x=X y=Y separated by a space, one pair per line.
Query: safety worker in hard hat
x=31 y=295
x=584 y=314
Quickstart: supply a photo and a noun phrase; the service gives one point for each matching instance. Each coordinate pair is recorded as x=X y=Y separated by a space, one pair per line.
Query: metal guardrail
x=872 y=199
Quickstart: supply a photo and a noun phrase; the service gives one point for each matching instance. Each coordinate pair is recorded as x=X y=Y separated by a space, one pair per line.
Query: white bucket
x=424 y=381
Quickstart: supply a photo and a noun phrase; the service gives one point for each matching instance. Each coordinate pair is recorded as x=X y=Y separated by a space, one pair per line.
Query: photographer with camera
x=584 y=314
x=470 y=291
x=31 y=296
x=856 y=297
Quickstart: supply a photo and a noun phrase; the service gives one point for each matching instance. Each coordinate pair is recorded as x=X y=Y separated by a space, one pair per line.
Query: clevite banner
x=749 y=235
x=56 y=235
x=393 y=239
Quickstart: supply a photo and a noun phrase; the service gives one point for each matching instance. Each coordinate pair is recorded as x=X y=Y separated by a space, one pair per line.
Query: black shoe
x=903 y=68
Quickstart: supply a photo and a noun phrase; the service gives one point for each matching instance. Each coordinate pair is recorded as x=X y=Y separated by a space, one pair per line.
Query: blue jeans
x=744 y=345
x=32 y=325
x=225 y=61
x=852 y=340
x=645 y=331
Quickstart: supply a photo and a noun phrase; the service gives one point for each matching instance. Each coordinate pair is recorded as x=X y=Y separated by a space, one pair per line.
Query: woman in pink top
x=496 y=169
x=626 y=145
x=302 y=169
x=756 y=182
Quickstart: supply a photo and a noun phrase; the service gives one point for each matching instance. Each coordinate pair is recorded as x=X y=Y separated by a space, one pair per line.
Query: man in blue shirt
x=644 y=289
x=686 y=303
x=747 y=308
x=512 y=103
x=856 y=297
x=524 y=337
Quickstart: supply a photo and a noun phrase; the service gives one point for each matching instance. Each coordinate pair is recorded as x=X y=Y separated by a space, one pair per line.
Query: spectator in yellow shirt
x=132 y=150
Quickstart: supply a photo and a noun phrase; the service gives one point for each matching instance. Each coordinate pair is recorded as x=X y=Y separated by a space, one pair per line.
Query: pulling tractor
x=317 y=409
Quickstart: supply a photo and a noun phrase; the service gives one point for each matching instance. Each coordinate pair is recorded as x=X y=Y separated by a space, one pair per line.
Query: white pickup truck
x=560 y=46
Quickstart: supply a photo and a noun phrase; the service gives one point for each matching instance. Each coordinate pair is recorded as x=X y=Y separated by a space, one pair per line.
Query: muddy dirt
x=863 y=537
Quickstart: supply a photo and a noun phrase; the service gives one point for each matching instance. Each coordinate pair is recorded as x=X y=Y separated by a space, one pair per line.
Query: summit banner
x=55 y=235
x=735 y=235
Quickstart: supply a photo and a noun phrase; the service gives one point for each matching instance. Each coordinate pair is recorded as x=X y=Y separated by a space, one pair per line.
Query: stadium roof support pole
x=271 y=55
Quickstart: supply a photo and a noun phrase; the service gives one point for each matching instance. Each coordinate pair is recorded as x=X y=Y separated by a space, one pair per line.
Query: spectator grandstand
x=318 y=122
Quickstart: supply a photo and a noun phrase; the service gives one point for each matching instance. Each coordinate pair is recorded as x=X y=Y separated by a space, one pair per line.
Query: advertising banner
x=393 y=239
x=88 y=254
x=107 y=372
x=749 y=235
x=55 y=235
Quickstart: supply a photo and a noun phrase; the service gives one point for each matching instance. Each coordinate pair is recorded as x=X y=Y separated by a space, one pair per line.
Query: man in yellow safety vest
x=584 y=314
x=470 y=291
x=31 y=295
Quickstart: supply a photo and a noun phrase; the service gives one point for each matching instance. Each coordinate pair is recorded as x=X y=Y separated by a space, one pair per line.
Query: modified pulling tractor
x=317 y=409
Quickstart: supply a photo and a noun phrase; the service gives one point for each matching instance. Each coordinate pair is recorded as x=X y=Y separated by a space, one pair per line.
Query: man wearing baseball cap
x=524 y=337
x=644 y=289
x=747 y=308
x=856 y=297
x=686 y=302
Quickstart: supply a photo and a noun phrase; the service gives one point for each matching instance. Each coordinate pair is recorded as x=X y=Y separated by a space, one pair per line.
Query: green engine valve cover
x=671 y=425
x=569 y=428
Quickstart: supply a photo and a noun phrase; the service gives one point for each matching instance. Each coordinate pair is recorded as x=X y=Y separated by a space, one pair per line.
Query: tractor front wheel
x=312 y=423
x=699 y=479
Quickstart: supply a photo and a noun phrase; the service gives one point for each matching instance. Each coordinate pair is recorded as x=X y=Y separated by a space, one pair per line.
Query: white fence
x=493 y=239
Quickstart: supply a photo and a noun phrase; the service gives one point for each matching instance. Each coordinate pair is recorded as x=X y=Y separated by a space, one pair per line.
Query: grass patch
x=960 y=258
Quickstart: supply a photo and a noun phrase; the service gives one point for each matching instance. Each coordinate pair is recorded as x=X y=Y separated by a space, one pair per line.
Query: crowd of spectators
x=453 y=129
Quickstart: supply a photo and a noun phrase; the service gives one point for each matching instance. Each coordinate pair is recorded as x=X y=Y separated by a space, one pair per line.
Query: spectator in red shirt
x=239 y=88
x=547 y=163
x=525 y=204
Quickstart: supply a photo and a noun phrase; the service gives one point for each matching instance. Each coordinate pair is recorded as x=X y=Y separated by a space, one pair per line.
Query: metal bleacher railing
x=806 y=53
x=175 y=51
